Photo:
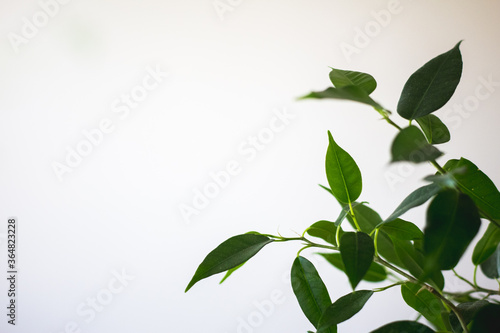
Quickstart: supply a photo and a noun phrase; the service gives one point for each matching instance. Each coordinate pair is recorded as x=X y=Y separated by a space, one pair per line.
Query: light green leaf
x=325 y=230
x=424 y=302
x=231 y=253
x=486 y=245
x=402 y=327
x=435 y=131
x=410 y=145
x=415 y=199
x=431 y=86
x=342 y=173
x=491 y=266
x=452 y=222
x=309 y=289
x=357 y=252
x=344 y=308
x=486 y=319
x=468 y=310
x=350 y=93
x=376 y=272
x=230 y=272
x=402 y=229
x=341 y=78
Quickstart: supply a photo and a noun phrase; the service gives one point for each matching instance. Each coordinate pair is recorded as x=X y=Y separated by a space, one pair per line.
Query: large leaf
x=452 y=223
x=434 y=129
x=325 y=230
x=357 y=252
x=401 y=229
x=415 y=199
x=350 y=93
x=486 y=319
x=341 y=78
x=491 y=266
x=309 y=289
x=342 y=173
x=424 y=302
x=431 y=86
x=486 y=245
x=344 y=308
x=477 y=185
x=468 y=310
x=375 y=273
x=403 y=326
x=230 y=254
x=410 y=145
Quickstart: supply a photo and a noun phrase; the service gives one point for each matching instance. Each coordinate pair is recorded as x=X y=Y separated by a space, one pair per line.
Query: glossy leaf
x=357 y=251
x=342 y=173
x=424 y=302
x=309 y=289
x=477 y=185
x=434 y=129
x=452 y=222
x=325 y=230
x=351 y=93
x=415 y=199
x=491 y=266
x=486 y=245
x=402 y=229
x=468 y=311
x=410 y=145
x=375 y=273
x=431 y=86
x=231 y=253
x=486 y=319
x=342 y=78
x=344 y=308
x=402 y=327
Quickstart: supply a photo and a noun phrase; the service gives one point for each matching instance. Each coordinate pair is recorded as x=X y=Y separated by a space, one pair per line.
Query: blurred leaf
x=344 y=308
x=486 y=319
x=350 y=93
x=402 y=229
x=435 y=131
x=424 y=302
x=491 y=266
x=403 y=326
x=431 y=86
x=486 y=245
x=357 y=251
x=341 y=78
x=468 y=311
x=415 y=199
x=376 y=272
x=410 y=145
x=325 y=230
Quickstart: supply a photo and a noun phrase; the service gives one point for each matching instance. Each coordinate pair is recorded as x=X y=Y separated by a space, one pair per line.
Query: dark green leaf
x=410 y=145
x=434 y=129
x=424 y=302
x=486 y=245
x=325 y=230
x=415 y=199
x=431 y=86
x=342 y=173
x=486 y=319
x=403 y=326
x=452 y=223
x=350 y=93
x=309 y=289
x=491 y=266
x=231 y=253
x=357 y=252
x=341 y=78
x=468 y=311
x=376 y=273
x=402 y=229
x=477 y=185
x=344 y=308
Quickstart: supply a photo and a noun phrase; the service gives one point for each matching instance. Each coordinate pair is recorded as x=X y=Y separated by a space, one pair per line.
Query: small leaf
x=486 y=319
x=376 y=272
x=452 y=223
x=231 y=253
x=402 y=327
x=431 y=86
x=486 y=245
x=357 y=252
x=402 y=229
x=346 y=210
x=410 y=145
x=350 y=93
x=344 y=308
x=342 y=173
x=325 y=230
x=424 y=302
x=230 y=272
x=491 y=266
x=341 y=78
x=435 y=131
x=309 y=289
x=468 y=311
x=477 y=185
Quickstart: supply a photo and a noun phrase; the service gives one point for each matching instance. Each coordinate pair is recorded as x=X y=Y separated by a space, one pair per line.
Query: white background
x=227 y=73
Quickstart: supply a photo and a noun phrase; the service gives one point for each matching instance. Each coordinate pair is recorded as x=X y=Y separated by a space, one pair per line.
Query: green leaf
x=486 y=245
x=325 y=230
x=230 y=272
x=424 y=302
x=452 y=223
x=376 y=272
x=434 y=129
x=344 y=308
x=342 y=173
x=491 y=266
x=410 y=145
x=231 y=253
x=350 y=93
x=402 y=229
x=468 y=311
x=486 y=319
x=431 y=86
x=309 y=289
x=341 y=78
x=477 y=185
x=415 y=199
x=402 y=327
x=357 y=252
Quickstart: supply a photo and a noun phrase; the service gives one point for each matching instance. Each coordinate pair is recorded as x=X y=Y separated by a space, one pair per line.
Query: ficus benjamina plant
x=392 y=250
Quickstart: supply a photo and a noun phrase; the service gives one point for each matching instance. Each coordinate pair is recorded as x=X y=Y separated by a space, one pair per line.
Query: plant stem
x=451 y=306
x=354 y=217
x=395 y=269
